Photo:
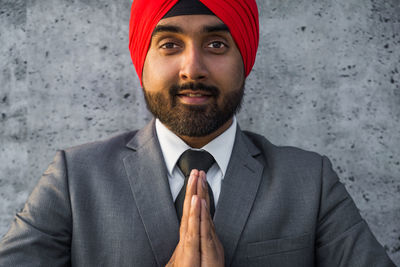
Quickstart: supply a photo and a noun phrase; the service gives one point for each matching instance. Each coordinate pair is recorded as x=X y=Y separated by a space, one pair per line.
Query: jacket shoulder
x=107 y=148
x=284 y=155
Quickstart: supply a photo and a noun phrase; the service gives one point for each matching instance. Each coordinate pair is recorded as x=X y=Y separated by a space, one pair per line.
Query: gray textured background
x=326 y=79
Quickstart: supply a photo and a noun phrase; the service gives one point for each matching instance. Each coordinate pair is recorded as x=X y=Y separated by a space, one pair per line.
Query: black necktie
x=189 y=160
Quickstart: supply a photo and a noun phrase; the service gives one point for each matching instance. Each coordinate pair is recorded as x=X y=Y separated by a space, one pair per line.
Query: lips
x=194 y=98
x=192 y=95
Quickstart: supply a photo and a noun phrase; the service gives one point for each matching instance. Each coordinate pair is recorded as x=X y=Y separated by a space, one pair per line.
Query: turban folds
x=241 y=17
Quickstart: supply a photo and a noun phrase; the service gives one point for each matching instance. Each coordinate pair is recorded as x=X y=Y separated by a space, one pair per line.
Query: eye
x=217 y=45
x=169 y=45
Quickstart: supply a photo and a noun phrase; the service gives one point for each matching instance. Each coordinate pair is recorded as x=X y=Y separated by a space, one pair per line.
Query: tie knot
x=192 y=159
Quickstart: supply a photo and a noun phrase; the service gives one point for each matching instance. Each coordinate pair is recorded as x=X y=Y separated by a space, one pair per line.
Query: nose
x=193 y=67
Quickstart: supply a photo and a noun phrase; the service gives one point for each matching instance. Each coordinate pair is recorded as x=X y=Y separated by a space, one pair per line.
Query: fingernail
x=193 y=199
x=204 y=176
x=203 y=182
x=203 y=202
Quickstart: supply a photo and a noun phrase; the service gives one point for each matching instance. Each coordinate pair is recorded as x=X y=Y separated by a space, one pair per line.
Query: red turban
x=241 y=17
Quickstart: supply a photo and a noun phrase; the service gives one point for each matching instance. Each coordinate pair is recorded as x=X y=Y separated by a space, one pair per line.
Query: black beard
x=193 y=121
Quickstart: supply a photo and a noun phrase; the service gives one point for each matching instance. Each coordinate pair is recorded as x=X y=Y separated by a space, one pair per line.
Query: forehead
x=190 y=23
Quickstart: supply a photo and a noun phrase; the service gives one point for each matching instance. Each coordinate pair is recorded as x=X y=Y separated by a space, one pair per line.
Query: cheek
x=158 y=73
x=239 y=66
x=228 y=72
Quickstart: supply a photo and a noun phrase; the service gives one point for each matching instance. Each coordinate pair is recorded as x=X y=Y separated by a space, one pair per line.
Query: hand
x=187 y=252
x=198 y=244
x=211 y=249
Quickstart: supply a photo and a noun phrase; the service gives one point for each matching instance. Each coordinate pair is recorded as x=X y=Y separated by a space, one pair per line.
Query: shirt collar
x=172 y=146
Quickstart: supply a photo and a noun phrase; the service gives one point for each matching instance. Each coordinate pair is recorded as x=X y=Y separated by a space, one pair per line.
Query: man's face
x=193 y=75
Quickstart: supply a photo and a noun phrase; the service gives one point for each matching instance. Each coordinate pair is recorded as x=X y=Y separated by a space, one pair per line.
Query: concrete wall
x=326 y=79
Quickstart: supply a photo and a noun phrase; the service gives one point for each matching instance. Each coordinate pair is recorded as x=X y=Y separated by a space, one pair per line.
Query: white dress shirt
x=220 y=148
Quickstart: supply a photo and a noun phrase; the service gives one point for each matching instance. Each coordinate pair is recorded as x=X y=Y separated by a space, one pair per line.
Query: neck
x=199 y=142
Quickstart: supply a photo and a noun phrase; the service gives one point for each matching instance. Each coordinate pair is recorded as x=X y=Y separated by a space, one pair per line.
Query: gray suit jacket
x=109 y=204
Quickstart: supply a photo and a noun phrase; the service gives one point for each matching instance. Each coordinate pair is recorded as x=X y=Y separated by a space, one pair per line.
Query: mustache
x=176 y=89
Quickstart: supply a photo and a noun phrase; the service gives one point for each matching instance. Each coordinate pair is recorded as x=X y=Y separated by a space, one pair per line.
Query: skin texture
x=189 y=55
x=198 y=242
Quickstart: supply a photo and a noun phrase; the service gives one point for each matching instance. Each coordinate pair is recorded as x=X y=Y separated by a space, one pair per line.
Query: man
x=137 y=200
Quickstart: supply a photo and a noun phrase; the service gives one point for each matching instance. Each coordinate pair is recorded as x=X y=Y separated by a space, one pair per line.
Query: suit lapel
x=149 y=184
x=238 y=192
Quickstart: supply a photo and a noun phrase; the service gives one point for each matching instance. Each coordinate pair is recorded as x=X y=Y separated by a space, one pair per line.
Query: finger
x=202 y=186
x=191 y=189
x=211 y=249
x=192 y=237
x=207 y=233
x=206 y=193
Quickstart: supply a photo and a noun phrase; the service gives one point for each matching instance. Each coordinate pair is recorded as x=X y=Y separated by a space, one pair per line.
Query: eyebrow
x=216 y=28
x=175 y=29
x=166 y=28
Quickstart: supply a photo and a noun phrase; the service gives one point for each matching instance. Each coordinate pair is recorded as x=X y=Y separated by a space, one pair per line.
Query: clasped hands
x=198 y=242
